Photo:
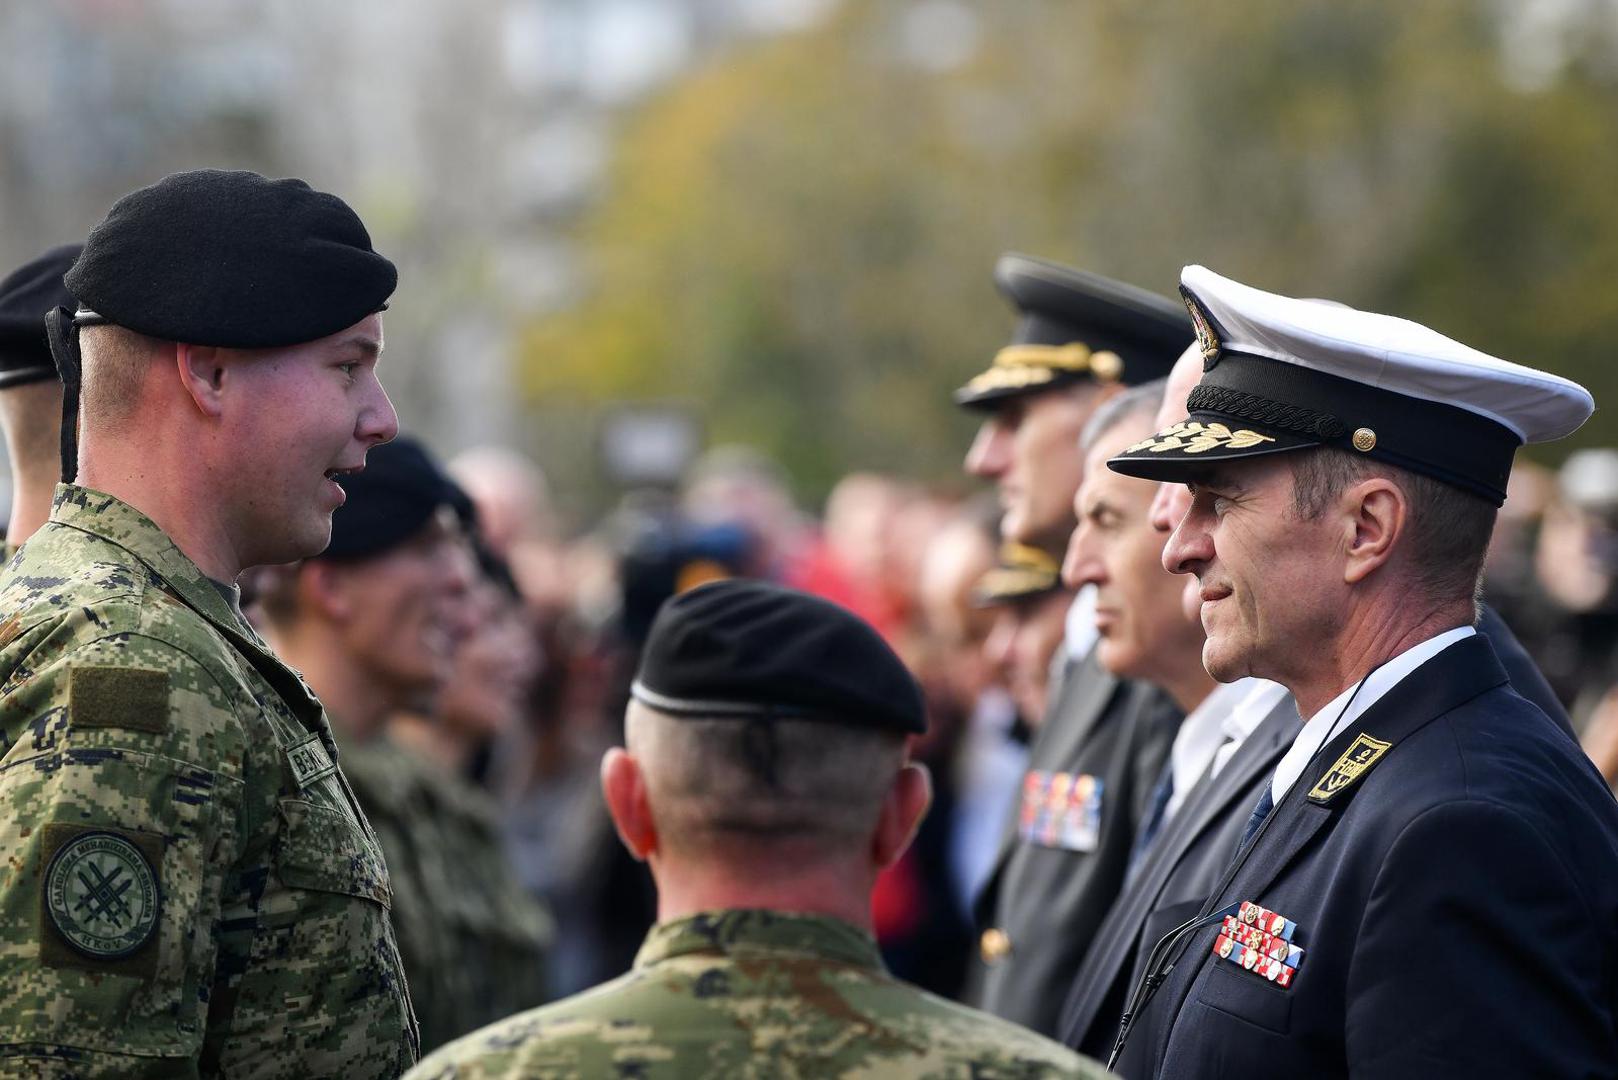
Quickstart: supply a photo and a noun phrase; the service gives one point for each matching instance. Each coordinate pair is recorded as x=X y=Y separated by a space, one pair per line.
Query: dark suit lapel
x=1456 y=675
x=1205 y=807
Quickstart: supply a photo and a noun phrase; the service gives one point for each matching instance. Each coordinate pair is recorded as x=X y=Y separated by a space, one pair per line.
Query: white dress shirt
x=1245 y=718
x=1347 y=707
x=1197 y=741
x=1080 y=635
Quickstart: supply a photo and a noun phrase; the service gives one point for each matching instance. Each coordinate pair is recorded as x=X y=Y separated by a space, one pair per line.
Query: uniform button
x=994 y=945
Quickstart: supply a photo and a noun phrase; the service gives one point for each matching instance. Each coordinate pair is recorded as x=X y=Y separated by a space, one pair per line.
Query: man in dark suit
x=1078 y=341
x=1183 y=864
x=1428 y=884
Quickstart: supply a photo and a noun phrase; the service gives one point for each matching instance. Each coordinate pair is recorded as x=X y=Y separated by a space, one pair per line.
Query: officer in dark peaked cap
x=193 y=888
x=1029 y=602
x=1078 y=340
x=1428 y=883
x=30 y=391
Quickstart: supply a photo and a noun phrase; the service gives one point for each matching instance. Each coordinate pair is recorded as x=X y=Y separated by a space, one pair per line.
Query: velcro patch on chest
x=135 y=699
x=1361 y=754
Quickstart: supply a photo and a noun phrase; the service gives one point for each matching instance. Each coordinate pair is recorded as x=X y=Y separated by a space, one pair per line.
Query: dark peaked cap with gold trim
x=1020 y=572
x=753 y=650
x=1073 y=326
x=1282 y=374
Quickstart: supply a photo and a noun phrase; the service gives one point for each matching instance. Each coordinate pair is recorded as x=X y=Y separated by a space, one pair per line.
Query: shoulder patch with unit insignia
x=101 y=898
x=1361 y=754
x=118 y=697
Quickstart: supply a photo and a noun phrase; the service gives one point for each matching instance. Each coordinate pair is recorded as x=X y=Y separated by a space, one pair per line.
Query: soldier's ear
x=321 y=587
x=905 y=804
x=202 y=373
x=623 y=786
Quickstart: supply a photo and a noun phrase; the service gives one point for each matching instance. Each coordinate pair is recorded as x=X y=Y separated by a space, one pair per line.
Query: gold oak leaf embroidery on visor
x=1192 y=437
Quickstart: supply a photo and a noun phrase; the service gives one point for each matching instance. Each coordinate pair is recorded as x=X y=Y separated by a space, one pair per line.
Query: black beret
x=391 y=500
x=26 y=294
x=1074 y=326
x=231 y=259
x=752 y=649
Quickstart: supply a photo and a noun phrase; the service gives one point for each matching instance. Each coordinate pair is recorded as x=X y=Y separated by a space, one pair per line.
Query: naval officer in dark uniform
x=1185 y=860
x=1428 y=886
x=1079 y=340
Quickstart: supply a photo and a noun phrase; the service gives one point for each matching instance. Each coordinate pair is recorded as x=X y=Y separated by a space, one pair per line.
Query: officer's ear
x=624 y=787
x=903 y=807
x=202 y=373
x=1375 y=512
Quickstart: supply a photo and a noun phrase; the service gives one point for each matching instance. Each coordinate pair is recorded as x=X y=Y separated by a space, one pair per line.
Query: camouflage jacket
x=187 y=885
x=474 y=942
x=754 y=994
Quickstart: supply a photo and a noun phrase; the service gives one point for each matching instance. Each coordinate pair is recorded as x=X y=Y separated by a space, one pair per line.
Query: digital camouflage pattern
x=754 y=994
x=474 y=942
x=142 y=723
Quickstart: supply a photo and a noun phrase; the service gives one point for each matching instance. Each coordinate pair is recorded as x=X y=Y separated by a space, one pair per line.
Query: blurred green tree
x=797 y=239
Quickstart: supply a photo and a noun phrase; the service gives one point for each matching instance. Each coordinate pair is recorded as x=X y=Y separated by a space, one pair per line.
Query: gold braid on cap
x=1031 y=365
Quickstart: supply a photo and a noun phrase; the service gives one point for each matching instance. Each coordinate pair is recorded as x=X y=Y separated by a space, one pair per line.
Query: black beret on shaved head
x=232 y=259
x=752 y=649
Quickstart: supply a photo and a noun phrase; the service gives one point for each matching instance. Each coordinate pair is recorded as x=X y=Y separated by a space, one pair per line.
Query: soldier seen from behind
x=766 y=784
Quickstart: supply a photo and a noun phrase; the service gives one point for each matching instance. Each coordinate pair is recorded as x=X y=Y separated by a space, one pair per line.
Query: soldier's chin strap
x=63 y=332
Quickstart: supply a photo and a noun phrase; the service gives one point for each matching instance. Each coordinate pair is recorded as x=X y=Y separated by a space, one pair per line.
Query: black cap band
x=1251 y=405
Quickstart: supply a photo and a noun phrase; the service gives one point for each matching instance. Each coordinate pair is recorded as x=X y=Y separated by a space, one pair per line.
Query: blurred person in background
x=958 y=677
x=737 y=485
x=1080 y=339
x=765 y=781
x=375 y=624
x=852 y=563
x=1029 y=604
x=30 y=388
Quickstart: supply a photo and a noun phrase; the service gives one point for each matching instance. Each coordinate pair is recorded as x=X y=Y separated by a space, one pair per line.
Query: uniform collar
x=1347 y=707
x=116 y=521
x=755 y=930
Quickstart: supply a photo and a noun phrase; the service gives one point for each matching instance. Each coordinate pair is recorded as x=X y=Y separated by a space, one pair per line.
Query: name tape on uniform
x=309 y=761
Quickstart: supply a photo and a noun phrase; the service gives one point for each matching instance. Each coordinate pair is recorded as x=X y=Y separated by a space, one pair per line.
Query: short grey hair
x=1146 y=398
x=762 y=780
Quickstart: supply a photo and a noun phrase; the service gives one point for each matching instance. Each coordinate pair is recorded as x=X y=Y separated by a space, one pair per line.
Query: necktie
x=1266 y=803
x=1156 y=809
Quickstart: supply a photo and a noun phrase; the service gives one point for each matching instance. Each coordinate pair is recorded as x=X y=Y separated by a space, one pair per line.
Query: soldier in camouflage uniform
x=30 y=392
x=375 y=623
x=765 y=782
x=187 y=884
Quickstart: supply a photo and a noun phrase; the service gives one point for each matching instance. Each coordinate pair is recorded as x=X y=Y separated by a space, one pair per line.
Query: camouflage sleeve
x=121 y=799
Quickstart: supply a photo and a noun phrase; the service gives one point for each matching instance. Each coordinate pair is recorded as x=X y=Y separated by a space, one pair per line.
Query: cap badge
x=1356 y=760
x=1364 y=440
x=1193 y=437
x=1207 y=340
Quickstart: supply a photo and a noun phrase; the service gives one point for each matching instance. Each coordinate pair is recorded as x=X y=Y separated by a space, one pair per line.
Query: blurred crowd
x=541 y=635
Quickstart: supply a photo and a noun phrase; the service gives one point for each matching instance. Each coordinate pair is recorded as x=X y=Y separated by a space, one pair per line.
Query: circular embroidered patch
x=102 y=895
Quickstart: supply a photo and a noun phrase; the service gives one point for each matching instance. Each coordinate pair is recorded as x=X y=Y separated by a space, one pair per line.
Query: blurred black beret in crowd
x=232 y=259
x=399 y=491
x=753 y=649
x=26 y=294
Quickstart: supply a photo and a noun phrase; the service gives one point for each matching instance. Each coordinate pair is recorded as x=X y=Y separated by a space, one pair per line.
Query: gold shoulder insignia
x=1354 y=763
